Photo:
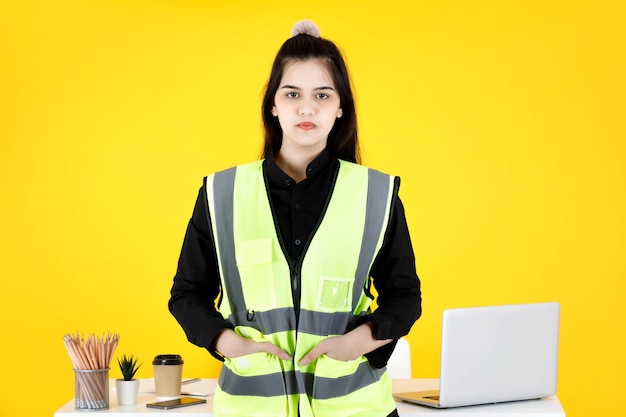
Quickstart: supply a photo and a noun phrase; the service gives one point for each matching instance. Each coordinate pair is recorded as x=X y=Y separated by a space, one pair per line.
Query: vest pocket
x=254 y=261
x=259 y=363
x=345 y=388
x=251 y=385
x=334 y=294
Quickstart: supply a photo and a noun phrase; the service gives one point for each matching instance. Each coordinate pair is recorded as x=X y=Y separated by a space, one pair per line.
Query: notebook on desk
x=495 y=354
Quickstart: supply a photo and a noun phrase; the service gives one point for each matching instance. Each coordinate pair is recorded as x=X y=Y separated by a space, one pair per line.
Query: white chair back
x=399 y=365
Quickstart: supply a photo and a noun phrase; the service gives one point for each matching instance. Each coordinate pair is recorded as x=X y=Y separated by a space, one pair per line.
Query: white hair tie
x=305 y=27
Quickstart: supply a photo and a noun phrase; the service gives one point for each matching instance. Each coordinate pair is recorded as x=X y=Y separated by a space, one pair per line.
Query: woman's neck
x=295 y=164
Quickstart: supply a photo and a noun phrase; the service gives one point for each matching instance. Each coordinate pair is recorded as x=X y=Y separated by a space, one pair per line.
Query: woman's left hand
x=347 y=347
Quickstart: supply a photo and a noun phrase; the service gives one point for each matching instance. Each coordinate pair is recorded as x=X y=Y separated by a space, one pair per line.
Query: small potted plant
x=127 y=388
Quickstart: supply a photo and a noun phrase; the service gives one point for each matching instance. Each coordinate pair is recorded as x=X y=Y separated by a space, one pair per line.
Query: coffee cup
x=168 y=375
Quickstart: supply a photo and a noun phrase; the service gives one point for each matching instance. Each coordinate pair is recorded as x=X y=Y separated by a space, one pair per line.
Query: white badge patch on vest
x=335 y=294
x=242 y=362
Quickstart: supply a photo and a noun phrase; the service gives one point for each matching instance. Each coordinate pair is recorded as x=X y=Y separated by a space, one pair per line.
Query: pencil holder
x=91 y=389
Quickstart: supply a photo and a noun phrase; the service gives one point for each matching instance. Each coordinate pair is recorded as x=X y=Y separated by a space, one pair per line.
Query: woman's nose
x=306 y=109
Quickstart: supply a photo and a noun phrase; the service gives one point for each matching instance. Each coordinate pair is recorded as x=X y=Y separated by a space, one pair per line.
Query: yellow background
x=505 y=120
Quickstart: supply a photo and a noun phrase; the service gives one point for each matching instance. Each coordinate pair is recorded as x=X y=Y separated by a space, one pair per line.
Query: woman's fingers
x=273 y=350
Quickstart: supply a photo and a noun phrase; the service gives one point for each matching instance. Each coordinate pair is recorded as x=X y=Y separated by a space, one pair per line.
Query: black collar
x=279 y=177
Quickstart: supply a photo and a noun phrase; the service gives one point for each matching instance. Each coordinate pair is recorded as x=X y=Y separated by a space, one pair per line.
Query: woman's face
x=307 y=105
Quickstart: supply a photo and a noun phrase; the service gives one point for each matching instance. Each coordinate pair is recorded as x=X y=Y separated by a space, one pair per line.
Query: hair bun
x=305 y=27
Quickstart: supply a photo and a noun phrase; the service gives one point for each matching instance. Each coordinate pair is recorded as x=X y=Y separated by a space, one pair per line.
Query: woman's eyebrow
x=290 y=87
x=293 y=87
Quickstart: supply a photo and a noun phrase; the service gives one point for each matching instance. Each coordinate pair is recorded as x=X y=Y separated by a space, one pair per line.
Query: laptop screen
x=499 y=353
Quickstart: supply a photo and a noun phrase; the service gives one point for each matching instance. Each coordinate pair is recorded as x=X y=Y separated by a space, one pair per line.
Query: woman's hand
x=230 y=345
x=348 y=347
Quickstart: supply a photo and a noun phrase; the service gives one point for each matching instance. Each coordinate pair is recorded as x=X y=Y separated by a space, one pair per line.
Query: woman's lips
x=306 y=125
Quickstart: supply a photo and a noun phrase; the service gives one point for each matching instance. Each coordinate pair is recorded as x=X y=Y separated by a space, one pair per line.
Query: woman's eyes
x=293 y=94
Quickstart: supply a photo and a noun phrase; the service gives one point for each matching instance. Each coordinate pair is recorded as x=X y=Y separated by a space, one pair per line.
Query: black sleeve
x=196 y=284
x=398 y=287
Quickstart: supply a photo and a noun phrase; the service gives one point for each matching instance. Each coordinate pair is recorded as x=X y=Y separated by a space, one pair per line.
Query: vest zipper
x=295 y=265
x=295 y=289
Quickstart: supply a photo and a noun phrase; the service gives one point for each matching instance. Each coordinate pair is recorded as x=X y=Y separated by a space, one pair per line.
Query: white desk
x=547 y=407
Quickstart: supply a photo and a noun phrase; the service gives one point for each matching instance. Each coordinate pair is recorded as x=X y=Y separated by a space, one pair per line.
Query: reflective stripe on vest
x=257 y=294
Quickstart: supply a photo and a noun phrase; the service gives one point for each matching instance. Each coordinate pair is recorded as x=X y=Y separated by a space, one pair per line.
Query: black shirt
x=297 y=207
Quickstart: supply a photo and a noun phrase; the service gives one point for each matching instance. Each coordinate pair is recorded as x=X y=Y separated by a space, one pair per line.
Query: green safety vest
x=257 y=278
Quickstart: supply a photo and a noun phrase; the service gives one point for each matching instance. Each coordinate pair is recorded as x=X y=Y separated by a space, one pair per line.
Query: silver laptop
x=495 y=354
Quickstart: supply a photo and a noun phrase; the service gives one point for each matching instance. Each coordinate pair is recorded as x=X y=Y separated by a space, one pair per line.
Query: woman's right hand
x=230 y=345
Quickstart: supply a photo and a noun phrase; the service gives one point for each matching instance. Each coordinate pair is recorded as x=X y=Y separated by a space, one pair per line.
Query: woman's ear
x=274 y=111
x=339 y=113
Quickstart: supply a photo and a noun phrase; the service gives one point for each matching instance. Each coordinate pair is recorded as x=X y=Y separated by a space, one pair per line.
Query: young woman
x=279 y=258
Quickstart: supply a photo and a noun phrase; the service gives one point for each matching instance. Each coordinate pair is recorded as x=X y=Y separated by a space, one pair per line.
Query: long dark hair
x=343 y=138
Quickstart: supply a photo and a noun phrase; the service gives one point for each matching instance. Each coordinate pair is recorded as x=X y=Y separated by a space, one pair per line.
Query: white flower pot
x=127 y=391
